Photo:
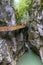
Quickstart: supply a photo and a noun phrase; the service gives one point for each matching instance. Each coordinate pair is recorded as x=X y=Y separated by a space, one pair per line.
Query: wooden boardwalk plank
x=11 y=28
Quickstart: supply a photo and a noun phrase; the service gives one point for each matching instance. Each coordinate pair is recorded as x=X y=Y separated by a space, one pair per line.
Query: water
x=29 y=59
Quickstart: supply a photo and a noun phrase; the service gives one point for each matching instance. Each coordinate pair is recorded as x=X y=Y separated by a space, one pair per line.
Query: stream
x=29 y=58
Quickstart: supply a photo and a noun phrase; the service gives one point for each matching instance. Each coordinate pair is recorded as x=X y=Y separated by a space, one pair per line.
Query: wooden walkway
x=11 y=28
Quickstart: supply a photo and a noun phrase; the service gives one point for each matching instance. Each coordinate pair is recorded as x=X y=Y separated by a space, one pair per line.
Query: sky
x=16 y=1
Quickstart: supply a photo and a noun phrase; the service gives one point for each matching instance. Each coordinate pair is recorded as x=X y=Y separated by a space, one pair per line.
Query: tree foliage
x=22 y=8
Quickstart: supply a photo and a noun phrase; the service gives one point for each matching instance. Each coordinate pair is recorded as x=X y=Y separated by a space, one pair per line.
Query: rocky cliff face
x=7 y=18
x=7 y=14
x=12 y=44
x=36 y=29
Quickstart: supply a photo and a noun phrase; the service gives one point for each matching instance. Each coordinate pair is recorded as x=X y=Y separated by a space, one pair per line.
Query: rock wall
x=12 y=44
x=36 y=29
x=7 y=14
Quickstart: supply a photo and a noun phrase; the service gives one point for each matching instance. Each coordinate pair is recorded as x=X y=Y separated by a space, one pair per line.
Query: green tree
x=23 y=7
